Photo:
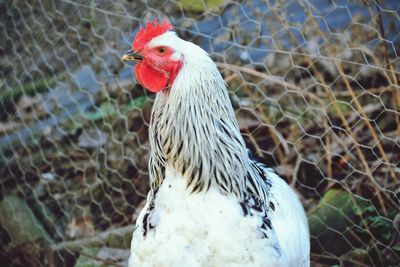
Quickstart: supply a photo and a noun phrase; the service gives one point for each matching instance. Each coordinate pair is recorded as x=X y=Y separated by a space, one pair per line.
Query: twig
x=366 y=120
x=258 y=74
x=101 y=238
x=106 y=261
x=370 y=90
x=355 y=100
x=396 y=93
x=275 y=136
x=295 y=171
x=328 y=143
x=378 y=188
x=7 y=127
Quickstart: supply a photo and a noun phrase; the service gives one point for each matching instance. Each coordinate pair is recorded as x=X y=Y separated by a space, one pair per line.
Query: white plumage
x=209 y=203
x=209 y=229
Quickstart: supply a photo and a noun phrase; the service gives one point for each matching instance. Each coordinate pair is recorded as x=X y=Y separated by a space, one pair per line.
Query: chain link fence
x=315 y=87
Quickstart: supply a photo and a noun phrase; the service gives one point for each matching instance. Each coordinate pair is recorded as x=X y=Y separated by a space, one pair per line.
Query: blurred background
x=315 y=87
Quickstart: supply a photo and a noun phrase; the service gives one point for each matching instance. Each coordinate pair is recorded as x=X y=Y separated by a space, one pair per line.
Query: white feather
x=209 y=229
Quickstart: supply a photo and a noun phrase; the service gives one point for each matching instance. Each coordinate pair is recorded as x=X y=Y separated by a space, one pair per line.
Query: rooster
x=210 y=203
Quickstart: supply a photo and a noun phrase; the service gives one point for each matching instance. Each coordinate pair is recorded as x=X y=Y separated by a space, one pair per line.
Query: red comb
x=152 y=29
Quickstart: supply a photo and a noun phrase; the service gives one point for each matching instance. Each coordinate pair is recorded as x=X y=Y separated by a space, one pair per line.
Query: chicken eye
x=161 y=50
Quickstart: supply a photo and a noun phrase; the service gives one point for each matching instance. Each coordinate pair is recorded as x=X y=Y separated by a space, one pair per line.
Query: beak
x=130 y=55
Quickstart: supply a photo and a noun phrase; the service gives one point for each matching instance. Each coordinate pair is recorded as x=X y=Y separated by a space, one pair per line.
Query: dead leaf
x=81 y=227
x=92 y=138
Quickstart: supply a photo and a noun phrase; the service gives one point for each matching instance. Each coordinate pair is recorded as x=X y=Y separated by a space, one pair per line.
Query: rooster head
x=157 y=63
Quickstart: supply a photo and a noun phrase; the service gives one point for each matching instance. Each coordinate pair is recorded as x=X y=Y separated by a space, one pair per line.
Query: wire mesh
x=315 y=87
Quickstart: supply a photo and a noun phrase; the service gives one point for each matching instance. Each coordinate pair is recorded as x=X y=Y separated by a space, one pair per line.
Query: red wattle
x=150 y=78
